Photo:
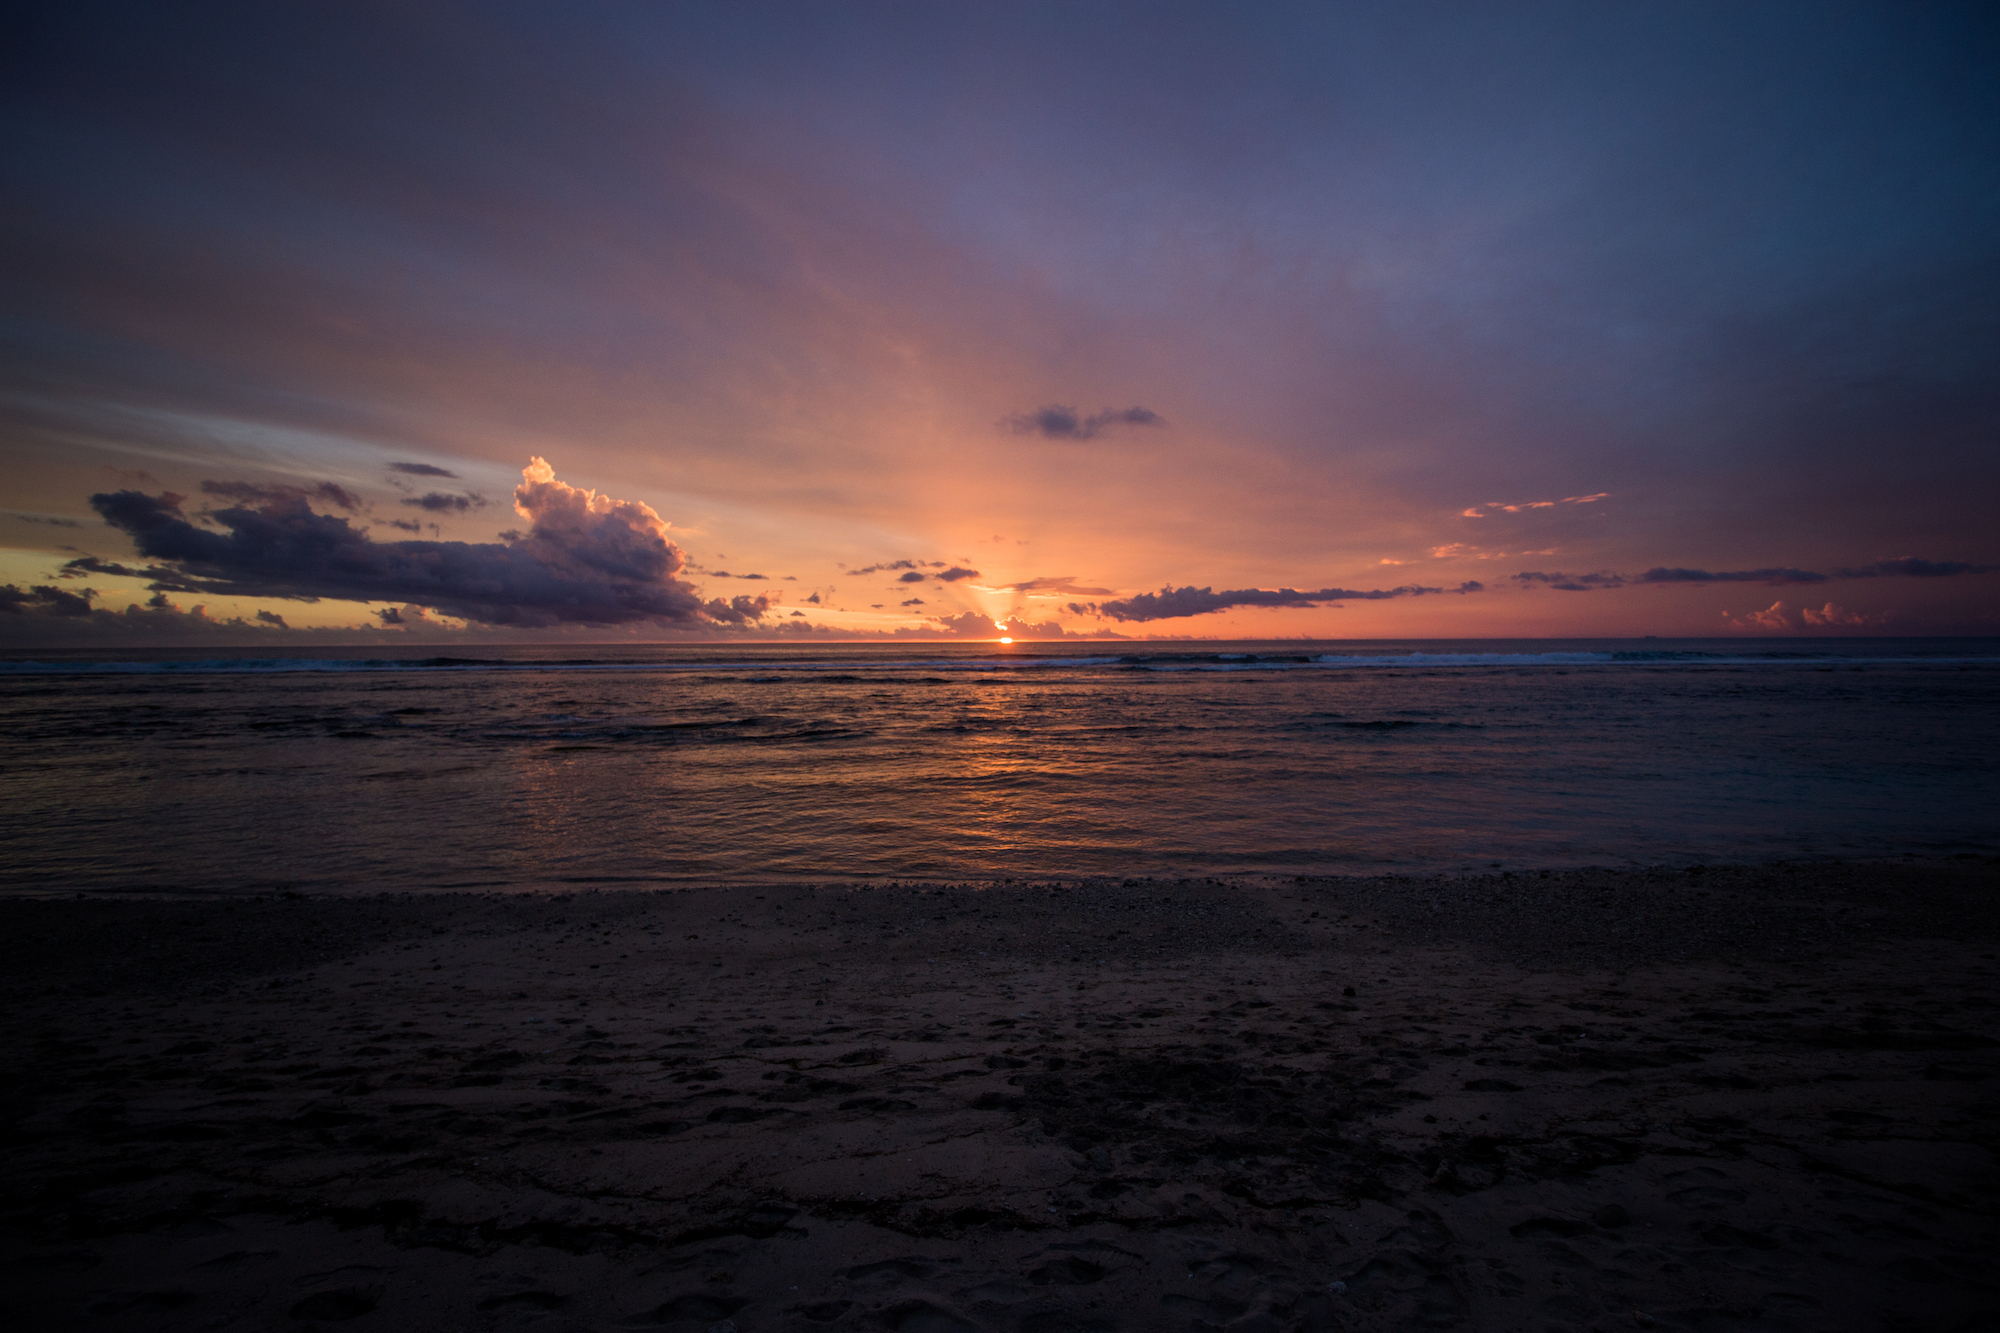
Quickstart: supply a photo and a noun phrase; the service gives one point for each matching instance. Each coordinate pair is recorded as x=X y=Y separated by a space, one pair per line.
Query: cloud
x=814 y=599
x=1773 y=577
x=725 y=574
x=898 y=564
x=1606 y=579
x=737 y=610
x=440 y=502
x=249 y=493
x=587 y=559
x=1033 y=629
x=406 y=525
x=1501 y=507
x=914 y=601
x=967 y=624
x=975 y=625
x=1777 y=616
x=916 y=571
x=90 y=564
x=1777 y=577
x=1910 y=567
x=44 y=600
x=52 y=616
x=1056 y=422
x=1771 y=617
x=1831 y=614
x=421 y=470
x=48 y=519
x=1060 y=583
x=60 y=622
x=1172 y=603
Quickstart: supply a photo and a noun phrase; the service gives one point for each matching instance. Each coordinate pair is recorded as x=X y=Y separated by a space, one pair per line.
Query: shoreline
x=1753 y=1096
x=1459 y=872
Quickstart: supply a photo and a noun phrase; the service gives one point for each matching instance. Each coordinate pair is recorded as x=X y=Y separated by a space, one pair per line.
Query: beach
x=1755 y=1097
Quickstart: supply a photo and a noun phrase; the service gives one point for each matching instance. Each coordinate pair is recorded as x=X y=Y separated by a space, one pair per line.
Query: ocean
x=649 y=765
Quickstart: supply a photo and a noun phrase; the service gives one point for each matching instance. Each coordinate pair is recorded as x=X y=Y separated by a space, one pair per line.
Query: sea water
x=652 y=765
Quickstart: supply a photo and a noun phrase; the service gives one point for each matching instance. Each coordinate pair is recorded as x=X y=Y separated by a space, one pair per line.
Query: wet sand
x=1751 y=1098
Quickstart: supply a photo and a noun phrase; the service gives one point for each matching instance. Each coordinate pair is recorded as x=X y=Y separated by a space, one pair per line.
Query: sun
x=1004 y=639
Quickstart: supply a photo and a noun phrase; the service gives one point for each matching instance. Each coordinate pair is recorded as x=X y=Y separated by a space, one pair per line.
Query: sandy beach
x=1733 y=1098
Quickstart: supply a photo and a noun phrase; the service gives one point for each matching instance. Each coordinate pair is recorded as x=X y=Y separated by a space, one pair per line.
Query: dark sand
x=1755 y=1098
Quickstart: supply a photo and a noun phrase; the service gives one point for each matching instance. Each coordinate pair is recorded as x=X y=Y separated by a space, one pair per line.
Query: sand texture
x=1753 y=1098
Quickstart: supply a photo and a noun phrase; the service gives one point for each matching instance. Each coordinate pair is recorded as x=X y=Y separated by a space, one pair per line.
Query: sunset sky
x=569 y=320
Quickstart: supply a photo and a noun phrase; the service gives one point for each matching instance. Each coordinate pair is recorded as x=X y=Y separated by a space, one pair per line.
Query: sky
x=627 y=322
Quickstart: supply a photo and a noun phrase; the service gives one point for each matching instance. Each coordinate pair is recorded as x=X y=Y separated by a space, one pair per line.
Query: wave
x=886 y=669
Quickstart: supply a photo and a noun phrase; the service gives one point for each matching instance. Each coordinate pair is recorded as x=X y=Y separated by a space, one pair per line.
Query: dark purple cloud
x=161 y=578
x=586 y=560
x=888 y=565
x=1056 y=422
x=421 y=470
x=916 y=571
x=1172 y=603
x=60 y=622
x=1909 y=567
x=1777 y=577
x=1573 y=582
x=44 y=600
x=90 y=564
x=442 y=502
x=736 y=610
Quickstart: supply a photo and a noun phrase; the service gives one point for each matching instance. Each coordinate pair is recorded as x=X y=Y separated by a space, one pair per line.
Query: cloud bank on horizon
x=1227 y=310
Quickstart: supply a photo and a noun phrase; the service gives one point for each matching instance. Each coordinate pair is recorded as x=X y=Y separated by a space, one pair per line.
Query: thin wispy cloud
x=1776 y=577
x=1525 y=506
x=1056 y=422
x=1055 y=585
